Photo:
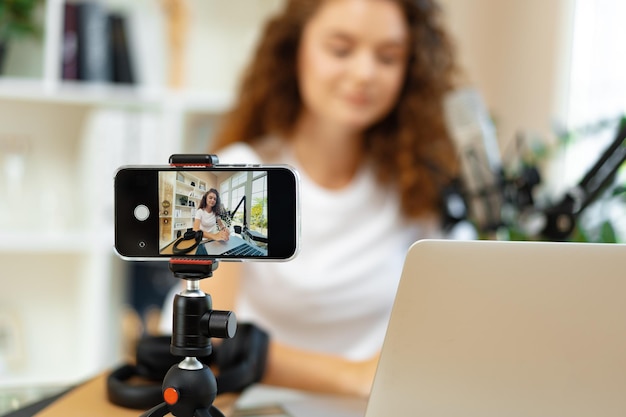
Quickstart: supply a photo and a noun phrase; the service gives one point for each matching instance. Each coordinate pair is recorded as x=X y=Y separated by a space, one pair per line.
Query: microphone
x=474 y=136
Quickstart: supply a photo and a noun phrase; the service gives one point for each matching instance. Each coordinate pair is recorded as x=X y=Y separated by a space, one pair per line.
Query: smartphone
x=251 y=212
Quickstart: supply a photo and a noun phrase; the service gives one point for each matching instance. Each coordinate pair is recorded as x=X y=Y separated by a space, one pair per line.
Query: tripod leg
x=205 y=412
x=157 y=411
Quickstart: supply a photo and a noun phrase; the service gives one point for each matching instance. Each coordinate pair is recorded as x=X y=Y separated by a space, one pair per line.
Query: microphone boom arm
x=561 y=218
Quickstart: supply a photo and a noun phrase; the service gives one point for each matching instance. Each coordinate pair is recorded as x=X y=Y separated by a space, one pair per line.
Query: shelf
x=50 y=242
x=103 y=94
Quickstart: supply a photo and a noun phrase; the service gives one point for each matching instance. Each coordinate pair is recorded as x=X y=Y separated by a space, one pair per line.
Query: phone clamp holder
x=193 y=160
x=189 y=388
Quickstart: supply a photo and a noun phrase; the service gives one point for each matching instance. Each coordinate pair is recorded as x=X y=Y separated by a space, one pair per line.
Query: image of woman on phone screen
x=207 y=217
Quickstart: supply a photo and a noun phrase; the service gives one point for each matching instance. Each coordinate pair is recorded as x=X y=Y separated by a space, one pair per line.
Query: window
x=597 y=87
x=253 y=185
x=258 y=206
x=597 y=99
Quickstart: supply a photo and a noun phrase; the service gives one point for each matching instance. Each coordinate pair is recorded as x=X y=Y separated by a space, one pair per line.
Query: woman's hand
x=223 y=235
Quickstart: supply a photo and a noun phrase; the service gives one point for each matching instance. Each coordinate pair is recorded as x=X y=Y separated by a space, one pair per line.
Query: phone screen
x=229 y=208
x=227 y=212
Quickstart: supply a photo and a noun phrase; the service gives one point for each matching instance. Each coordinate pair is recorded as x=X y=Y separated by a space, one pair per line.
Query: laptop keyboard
x=244 y=250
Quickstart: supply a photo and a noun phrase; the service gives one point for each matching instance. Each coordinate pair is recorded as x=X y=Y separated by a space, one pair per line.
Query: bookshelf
x=60 y=144
x=182 y=193
x=186 y=201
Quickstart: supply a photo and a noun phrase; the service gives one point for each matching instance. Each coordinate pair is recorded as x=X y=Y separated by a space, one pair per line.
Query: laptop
x=234 y=246
x=486 y=328
x=492 y=328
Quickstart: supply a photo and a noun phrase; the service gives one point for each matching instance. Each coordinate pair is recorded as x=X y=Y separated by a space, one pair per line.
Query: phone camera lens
x=142 y=244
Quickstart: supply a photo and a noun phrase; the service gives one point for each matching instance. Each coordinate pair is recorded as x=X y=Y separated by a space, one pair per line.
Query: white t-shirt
x=208 y=222
x=336 y=295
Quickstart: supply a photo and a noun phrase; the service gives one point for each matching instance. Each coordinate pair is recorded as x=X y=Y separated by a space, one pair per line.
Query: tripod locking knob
x=219 y=323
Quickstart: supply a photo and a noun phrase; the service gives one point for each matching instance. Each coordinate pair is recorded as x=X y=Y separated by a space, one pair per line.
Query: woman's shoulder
x=265 y=150
x=238 y=153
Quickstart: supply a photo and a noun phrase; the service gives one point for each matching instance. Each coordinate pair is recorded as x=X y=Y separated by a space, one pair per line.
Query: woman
x=208 y=219
x=350 y=93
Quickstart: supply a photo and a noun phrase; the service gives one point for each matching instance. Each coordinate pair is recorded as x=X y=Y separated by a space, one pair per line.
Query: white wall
x=515 y=52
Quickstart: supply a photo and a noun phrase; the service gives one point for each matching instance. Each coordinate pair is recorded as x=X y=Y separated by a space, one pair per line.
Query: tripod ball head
x=181 y=393
x=195 y=323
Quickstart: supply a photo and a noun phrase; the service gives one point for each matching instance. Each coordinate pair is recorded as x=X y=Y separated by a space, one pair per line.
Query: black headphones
x=153 y=361
x=240 y=362
x=190 y=234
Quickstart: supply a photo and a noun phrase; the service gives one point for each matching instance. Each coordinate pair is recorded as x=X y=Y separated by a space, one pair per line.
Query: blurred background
x=153 y=79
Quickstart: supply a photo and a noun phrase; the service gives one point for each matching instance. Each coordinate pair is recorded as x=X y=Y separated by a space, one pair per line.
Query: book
x=69 y=46
x=93 y=48
x=121 y=62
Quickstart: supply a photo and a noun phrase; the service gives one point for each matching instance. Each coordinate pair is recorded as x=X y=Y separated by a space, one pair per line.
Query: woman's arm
x=295 y=368
x=196 y=225
x=221 y=235
x=288 y=366
x=224 y=233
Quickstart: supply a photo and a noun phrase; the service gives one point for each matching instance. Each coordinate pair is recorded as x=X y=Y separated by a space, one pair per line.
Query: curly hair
x=216 y=209
x=410 y=147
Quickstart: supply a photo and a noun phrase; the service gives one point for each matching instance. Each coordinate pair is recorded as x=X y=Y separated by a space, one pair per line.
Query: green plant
x=601 y=221
x=18 y=19
x=257 y=218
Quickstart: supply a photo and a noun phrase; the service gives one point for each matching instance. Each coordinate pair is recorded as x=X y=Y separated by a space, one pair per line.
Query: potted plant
x=17 y=19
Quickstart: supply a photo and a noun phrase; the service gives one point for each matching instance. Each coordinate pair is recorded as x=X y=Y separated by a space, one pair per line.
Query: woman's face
x=211 y=199
x=352 y=61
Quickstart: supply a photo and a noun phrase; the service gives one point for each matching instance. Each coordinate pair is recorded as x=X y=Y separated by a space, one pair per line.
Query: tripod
x=189 y=388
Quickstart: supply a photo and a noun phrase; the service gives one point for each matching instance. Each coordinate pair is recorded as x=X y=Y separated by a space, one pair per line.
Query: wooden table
x=90 y=399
